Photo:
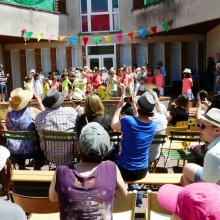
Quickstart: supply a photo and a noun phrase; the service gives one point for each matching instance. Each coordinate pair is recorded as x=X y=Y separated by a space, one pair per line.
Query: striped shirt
x=2 y=75
x=59 y=119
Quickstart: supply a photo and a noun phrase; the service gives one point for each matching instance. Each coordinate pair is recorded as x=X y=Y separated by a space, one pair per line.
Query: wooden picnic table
x=46 y=176
x=192 y=112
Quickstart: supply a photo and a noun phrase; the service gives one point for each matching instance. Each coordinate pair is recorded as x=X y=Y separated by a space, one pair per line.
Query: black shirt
x=179 y=114
x=209 y=68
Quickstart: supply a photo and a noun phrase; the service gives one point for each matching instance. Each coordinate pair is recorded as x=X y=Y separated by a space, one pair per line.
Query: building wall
x=213 y=42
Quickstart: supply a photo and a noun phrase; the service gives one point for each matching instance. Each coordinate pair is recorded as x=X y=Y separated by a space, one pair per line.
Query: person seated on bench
x=22 y=118
x=87 y=189
x=193 y=202
x=8 y=210
x=210 y=132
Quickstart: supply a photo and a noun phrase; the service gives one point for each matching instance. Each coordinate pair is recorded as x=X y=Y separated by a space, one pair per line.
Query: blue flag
x=73 y=39
x=142 y=33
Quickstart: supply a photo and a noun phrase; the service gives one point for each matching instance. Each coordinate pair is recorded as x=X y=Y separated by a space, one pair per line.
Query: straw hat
x=77 y=96
x=212 y=116
x=19 y=99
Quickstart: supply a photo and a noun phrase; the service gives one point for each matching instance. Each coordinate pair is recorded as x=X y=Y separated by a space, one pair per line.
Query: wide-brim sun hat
x=32 y=71
x=19 y=99
x=187 y=71
x=212 y=116
x=4 y=155
x=77 y=96
x=195 y=201
x=146 y=102
x=53 y=98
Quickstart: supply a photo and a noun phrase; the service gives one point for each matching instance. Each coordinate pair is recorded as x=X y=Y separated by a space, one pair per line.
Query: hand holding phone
x=128 y=99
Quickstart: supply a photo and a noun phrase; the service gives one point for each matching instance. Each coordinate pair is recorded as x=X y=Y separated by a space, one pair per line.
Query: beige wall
x=17 y=18
x=213 y=42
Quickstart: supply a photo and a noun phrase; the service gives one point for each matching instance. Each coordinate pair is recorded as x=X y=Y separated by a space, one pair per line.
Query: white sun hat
x=77 y=96
x=4 y=155
x=187 y=71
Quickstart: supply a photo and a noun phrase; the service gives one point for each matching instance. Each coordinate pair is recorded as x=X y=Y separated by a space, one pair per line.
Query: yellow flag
x=108 y=39
x=39 y=36
x=62 y=37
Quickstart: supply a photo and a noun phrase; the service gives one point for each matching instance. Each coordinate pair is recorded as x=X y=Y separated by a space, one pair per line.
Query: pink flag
x=119 y=36
x=50 y=37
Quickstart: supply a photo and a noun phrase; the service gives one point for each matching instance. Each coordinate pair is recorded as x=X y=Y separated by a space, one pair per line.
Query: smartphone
x=128 y=99
x=202 y=96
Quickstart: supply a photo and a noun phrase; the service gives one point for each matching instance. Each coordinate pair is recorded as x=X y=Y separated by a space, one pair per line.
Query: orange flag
x=131 y=36
x=62 y=37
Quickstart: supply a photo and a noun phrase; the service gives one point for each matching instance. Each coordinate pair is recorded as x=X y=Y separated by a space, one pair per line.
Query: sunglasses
x=202 y=126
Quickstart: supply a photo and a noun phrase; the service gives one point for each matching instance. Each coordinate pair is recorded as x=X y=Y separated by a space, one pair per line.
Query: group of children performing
x=126 y=81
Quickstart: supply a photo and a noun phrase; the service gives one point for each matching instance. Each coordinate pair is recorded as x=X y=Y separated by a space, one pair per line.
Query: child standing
x=150 y=77
x=159 y=80
x=96 y=80
x=112 y=82
x=28 y=85
x=89 y=89
x=65 y=82
x=187 y=84
x=55 y=83
x=83 y=82
x=46 y=86
x=130 y=77
x=38 y=88
x=141 y=79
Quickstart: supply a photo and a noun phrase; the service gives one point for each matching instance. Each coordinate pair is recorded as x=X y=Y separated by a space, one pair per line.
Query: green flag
x=165 y=26
x=96 y=39
x=29 y=35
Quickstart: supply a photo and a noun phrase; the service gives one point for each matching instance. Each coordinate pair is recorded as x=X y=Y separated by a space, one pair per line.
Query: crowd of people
x=95 y=167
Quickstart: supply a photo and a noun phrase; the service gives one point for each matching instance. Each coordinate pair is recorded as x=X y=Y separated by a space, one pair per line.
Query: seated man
x=87 y=189
x=56 y=118
x=210 y=132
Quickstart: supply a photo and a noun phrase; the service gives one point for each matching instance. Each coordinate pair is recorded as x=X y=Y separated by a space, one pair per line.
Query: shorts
x=198 y=175
x=2 y=89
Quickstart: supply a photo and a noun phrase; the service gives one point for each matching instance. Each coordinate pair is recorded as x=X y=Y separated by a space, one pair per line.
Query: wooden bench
x=46 y=176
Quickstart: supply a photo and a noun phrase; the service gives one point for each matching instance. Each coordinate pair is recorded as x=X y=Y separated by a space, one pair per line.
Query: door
x=106 y=61
x=94 y=61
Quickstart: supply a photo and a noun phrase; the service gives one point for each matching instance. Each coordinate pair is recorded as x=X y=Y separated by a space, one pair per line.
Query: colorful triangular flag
x=154 y=29
x=39 y=37
x=85 y=40
x=142 y=33
x=108 y=39
x=50 y=37
x=119 y=37
x=29 y=34
x=96 y=39
x=166 y=26
x=131 y=36
x=73 y=39
x=26 y=33
x=62 y=37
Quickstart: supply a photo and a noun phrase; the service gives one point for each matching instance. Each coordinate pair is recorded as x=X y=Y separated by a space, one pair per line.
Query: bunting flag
x=50 y=37
x=25 y=39
x=73 y=39
x=25 y=33
x=165 y=26
x=39 y=37
x=29 y=34
x=62 y=37
x=154 y=30
x=131 y=36
x=108 y=39
x=85 y=40
x=142 y=33
x=96 y=39
x=119 y=36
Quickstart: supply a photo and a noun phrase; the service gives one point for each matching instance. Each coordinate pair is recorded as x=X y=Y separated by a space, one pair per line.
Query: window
x=99 y=15
x=16 y=69
x=30 y=60
x=61 y=59
x=158 y=49
x=77 y=57
x=192 y=56
x=45 y=61
x=125 y=51
x=142 y=54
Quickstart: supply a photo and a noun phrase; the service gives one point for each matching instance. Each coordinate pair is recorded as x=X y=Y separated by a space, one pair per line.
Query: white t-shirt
x=161 y=120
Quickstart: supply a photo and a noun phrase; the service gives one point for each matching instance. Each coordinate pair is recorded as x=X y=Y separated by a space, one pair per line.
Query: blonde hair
x=84 y=73
x=93 y=106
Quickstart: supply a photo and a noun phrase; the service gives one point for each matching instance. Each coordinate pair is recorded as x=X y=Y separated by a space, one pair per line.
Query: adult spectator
x=56 y=118
x=195 y=75
x=196 y=201
x=160 y=65
x=98 y=182
x=3 y=79
x=8 y=210
x=210 y=132
x=138 y=132
x=94 y=112
x=181 y=110
x=77 y=98
x=22 y=118
x=210 y=74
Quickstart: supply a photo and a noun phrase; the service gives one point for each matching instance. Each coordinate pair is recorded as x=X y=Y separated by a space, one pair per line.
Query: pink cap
x=195 y=201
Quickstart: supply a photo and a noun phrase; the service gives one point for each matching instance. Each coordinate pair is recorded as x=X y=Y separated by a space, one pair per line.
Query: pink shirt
x=186 y=85
x=56 y=85
x=96 y=80
x=150 y=79
x=159 y=81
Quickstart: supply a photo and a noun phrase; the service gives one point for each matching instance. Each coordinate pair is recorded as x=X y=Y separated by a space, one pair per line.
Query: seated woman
x=138 y=133
x=8 y=210
x=94 y=112
x=22 y=118
x=180 y=112
x=87 y=189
